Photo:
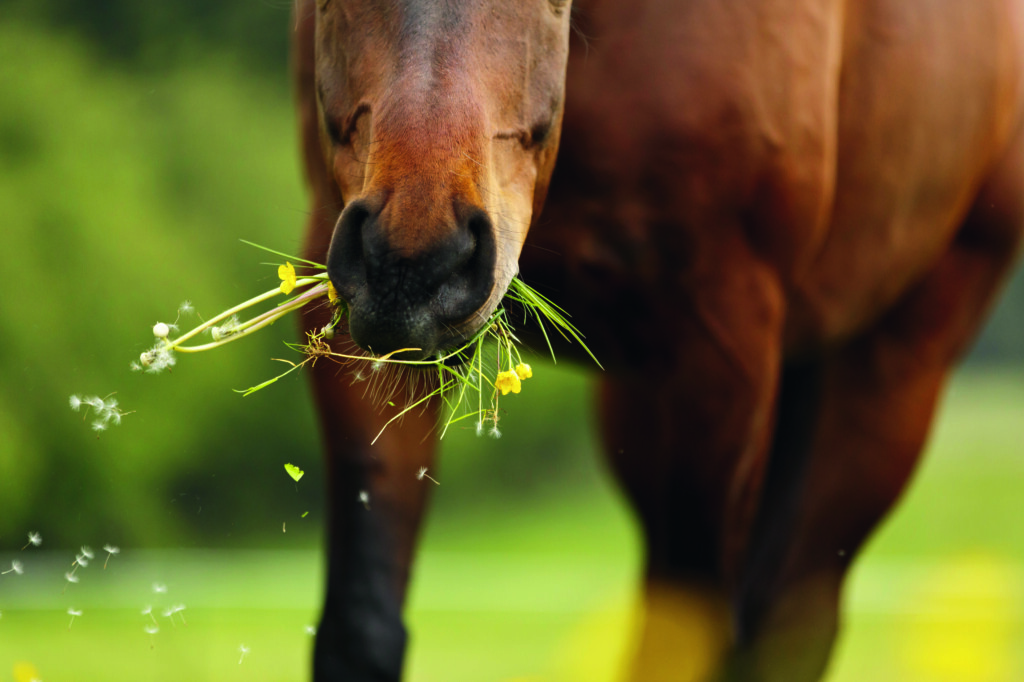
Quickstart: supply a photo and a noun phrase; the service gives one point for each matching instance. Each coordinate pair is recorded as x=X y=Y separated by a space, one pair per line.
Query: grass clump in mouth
x=470 y=379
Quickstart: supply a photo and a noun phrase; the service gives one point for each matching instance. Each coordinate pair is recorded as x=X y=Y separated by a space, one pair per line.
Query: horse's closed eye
x=540 y=132
x=333 y=130
x=558 y=6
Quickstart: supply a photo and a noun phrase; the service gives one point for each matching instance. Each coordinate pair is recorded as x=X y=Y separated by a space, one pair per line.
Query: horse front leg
x=687 y=433
x=376 y=502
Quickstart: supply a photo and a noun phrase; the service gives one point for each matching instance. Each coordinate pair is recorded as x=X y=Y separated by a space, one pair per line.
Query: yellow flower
x=287 y=274
x=508 y=382
x=524 y=371
x=25 y=672
x=332 y=293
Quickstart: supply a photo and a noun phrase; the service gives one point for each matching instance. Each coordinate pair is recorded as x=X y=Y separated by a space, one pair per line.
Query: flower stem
x=253 y=325
x=266 y=296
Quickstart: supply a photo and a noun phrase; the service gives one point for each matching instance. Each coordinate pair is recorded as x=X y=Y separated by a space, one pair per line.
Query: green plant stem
x=255 y=324
x=266 y=296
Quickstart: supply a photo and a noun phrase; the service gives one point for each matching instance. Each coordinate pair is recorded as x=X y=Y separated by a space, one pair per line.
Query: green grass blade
x=310 y=263
x=268 y=382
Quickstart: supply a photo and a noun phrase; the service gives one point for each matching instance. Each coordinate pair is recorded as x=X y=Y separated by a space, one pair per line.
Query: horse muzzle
x=412 y=286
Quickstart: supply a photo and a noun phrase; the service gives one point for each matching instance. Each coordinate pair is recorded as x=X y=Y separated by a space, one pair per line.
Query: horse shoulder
x=930 y=97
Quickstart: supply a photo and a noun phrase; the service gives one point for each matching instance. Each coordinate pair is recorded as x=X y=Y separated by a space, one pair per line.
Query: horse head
x=439 y=122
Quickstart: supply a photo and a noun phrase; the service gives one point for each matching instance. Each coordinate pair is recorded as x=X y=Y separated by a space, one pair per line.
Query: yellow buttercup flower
x=287 y=274
x=524 y=371
x=332 y=293
x=508 y=382
x=25 y=672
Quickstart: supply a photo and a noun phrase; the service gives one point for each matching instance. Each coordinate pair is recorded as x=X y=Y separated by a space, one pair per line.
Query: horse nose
x=404 y=294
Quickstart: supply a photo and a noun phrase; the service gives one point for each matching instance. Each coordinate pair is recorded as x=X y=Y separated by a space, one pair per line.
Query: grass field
x=543 y=591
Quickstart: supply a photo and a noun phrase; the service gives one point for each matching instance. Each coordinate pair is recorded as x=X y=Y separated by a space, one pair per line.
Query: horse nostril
x=346 y=260
x=469 y=276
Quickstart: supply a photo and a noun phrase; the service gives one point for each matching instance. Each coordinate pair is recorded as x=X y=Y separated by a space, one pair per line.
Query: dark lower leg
x=376 y=504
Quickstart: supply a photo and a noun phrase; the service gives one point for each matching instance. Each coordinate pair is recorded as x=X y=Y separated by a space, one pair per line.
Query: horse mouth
x=420 y=301
x=425 y=331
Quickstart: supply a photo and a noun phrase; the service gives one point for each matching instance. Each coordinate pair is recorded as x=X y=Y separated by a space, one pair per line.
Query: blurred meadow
x=137 y=147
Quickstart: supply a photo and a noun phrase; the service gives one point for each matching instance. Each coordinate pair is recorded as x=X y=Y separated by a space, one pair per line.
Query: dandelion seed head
x=16 y=567
x=494 y=432
x=168 y=612
x=225 y=330
x=186 y=308
x=87 y=552
x=421 y=473
x=74 y=612
x=310 y=630
x=71 y=577
x=111 y=549
x=135 y=366
x=105 y=412
x=75 y=402
x=151 y=629
x=164 y=359
x=364 y=497
x=159 y=588
x=35 y=539
x=147 y=611
x=82 y=560
x=158 y=358
x=480 y=428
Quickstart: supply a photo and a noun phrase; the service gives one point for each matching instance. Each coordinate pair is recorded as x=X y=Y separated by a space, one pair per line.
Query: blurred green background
x=138 y=143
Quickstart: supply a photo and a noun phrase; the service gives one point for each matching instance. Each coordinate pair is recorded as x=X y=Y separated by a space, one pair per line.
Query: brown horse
x=778 y=223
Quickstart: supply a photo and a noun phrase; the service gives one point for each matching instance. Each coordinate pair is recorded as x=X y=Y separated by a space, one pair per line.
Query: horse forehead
x=416 y=16
x=412 y=18
x=404 y=23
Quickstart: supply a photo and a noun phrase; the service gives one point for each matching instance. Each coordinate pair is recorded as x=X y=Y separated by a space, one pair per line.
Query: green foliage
x=294 y=471
x=123 y=196
x=128 y=194
x=153 y=35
